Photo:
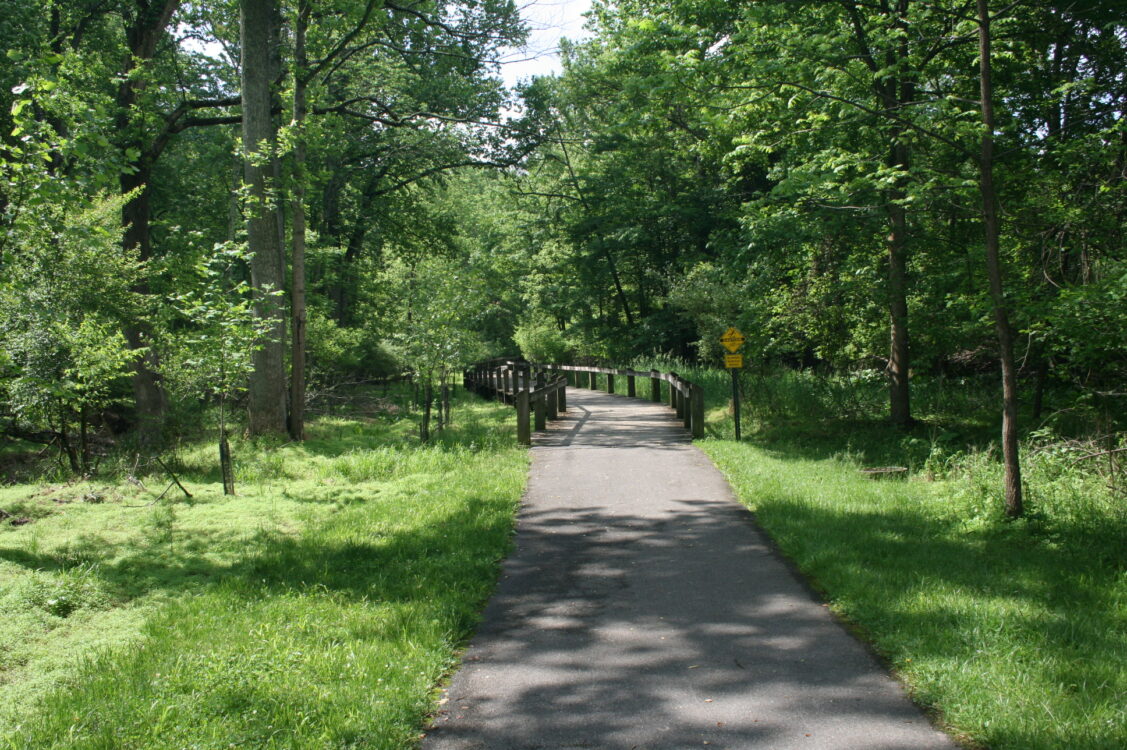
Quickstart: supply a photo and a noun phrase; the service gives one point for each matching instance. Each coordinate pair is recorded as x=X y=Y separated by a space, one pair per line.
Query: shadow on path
x=642 y=608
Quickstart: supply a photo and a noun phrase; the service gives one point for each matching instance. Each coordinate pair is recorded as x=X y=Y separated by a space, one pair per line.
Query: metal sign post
x=732 y=340
x=736 y=399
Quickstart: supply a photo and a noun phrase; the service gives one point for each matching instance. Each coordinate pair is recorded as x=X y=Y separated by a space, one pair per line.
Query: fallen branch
x=174 y=479
x=1100 y=453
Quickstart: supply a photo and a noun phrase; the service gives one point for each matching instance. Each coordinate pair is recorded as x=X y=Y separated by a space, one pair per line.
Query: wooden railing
x=538 y=397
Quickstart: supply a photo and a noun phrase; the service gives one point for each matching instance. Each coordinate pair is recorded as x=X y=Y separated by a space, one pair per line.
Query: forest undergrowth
x=318 y=607
x=1010 y=631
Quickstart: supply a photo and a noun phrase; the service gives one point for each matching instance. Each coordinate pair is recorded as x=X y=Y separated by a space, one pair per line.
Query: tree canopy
x=911 y=187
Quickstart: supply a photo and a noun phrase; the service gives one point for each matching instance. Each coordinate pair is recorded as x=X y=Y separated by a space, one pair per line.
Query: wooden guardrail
x=538 y=397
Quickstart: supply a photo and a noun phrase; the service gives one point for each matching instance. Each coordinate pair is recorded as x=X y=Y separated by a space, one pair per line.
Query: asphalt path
x=643 y=608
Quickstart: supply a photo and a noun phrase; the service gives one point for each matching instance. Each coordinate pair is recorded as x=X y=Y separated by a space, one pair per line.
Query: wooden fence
x=539 y=391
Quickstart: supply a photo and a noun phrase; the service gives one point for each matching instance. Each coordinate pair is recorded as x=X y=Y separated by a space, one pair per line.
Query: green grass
x=320 y=607
x=1014 y=633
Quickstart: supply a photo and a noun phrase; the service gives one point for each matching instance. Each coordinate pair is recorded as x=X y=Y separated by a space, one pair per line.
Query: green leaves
x=64 y=300
x=208 y=354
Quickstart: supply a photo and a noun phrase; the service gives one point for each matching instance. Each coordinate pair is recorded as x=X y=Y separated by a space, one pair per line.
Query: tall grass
x=320 y=608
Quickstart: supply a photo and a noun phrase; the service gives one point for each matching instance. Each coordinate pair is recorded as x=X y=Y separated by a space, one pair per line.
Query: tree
x=992 y=230
x=436 y=335
x=259 y=23
x=63 y=298
x=211 y=355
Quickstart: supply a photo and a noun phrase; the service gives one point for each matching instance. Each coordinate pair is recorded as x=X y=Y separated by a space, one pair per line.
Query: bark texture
x=259 y=26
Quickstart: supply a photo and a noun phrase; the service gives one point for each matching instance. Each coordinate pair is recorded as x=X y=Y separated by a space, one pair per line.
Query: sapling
x=213 y=357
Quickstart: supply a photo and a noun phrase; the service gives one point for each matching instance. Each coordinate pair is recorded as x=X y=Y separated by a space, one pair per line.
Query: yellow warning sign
x=733 y=361
x=732 y=340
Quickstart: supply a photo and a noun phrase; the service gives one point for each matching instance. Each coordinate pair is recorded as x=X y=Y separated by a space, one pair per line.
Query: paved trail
x=642 y=608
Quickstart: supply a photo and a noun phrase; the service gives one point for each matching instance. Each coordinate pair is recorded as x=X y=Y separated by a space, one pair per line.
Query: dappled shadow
x=664 y=630
x=644 y=609
x=1051 y=602
x=381 y=565
x=872 y=442
x=170 y=565
x=371 y=563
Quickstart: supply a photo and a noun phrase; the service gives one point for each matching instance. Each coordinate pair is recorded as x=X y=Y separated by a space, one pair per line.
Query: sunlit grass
x=1013 y=632
x=319 y=607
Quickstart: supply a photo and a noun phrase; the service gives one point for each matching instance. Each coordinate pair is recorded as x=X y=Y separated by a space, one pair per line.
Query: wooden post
x=630 y=388
x=563 y=396
x=655 y=387
x=553 y=404
x=524 y=434
x=539 y=407
x=687 y=407
x=592 y=380
x=610 y=383
x=697 y=399
x=673 y=389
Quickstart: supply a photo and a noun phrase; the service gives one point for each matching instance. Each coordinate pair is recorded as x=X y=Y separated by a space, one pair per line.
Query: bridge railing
x=538 y=396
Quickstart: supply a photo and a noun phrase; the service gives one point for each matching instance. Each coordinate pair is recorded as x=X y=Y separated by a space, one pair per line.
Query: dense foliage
x=136 y=281
x=913 y=188
x=818 y=174
x=214 y=213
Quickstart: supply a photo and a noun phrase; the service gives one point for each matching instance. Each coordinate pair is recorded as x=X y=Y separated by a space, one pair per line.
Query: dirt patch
x=12 y=519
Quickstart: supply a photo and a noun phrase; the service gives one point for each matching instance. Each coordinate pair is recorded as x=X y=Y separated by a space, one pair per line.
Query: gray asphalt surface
x=643 y=608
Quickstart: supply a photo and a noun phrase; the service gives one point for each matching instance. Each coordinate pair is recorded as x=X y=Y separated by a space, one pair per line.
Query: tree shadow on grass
x=618 y=630
x=916 y=580
x=873 y=442
x=608 y=627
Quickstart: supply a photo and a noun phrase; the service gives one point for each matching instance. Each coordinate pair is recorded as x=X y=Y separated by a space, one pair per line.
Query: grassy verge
x=318 y=608
x=1013 y=632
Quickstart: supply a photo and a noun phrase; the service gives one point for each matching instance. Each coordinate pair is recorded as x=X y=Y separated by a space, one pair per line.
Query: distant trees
x=146 y=100
x=858 y=186
x=803 y=165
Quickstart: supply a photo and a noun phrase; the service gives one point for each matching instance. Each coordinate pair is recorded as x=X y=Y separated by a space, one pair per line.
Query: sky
x=548 y=20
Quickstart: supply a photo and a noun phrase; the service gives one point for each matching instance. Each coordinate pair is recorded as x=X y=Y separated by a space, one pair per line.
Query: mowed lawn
x=319 y=607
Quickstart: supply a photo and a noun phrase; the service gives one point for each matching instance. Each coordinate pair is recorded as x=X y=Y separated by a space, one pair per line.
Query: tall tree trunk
x=1014 y=506
x=893 y=86
x=297 y=260
x=341 y=291
x=259 y=25
x=900 y=91
x=143 y=37
x=899 y=360
x=149 y=397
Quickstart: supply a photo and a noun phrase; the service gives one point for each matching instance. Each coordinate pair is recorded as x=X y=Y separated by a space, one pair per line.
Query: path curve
x=643 y=608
